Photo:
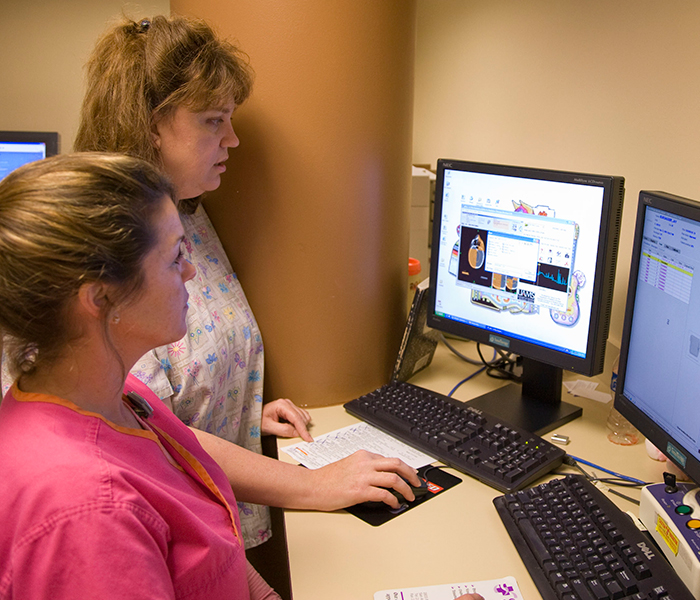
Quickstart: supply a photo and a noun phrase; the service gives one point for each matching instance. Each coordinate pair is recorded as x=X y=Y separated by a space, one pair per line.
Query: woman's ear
x=93 y=298
x=155 y=133
x=155 y=136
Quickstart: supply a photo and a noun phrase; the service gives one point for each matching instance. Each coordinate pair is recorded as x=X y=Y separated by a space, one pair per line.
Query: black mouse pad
x=376 y=513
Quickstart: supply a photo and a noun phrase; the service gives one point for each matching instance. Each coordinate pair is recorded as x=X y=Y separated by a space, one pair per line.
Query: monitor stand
x=535 y=405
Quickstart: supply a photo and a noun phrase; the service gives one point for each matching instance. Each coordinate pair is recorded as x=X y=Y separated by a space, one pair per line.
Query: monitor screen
x=659 y=373
x=523 y=259
x=20 y=147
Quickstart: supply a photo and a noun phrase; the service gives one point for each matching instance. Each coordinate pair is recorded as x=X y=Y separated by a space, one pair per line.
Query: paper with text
x=495 y=589
x=587 y=389
x=340 y=443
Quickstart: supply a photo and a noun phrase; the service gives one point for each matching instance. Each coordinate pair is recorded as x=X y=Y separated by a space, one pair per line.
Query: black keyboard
x=577 y=545
x=503 y=456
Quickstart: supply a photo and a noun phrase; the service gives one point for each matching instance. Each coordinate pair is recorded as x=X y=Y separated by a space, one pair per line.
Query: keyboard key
x=581 y=589
x=658 y=593
x=627 y=581
x=533 y=540
x=614 y=590
x=597 y=589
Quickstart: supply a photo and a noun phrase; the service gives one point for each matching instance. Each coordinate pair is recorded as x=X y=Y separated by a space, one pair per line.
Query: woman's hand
x=283 y=418
x=362 y=477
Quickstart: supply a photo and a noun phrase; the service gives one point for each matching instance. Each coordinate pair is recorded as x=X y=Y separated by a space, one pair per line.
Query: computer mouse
x=418 y=492
x=404 y=504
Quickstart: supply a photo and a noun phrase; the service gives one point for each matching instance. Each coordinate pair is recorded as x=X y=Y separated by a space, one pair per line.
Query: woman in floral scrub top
x=177 y=74
x=213 y=377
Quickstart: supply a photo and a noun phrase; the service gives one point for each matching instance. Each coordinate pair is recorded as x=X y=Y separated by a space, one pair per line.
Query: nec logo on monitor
x=499 y=341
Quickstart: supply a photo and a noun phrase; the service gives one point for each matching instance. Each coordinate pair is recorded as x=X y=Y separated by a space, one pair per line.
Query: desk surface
x=455 y=537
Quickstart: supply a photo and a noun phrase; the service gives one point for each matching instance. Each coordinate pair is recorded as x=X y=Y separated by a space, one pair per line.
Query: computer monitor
x=659 y=373
x=523 y=259
x=20 y=147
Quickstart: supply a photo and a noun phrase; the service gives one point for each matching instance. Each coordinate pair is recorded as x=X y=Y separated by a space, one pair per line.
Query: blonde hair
x=140 y=72
x=66 y=221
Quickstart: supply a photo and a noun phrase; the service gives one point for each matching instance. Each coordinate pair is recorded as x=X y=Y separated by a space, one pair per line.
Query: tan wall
x=44 y=44
x=313 y=210
x=596 y=86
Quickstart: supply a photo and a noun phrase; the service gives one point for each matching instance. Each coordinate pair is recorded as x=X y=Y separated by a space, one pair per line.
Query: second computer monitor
x=18 y=148
x=659 y=375
x=523 y=259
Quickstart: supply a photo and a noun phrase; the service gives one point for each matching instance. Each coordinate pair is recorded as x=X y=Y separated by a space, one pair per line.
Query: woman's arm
x=263 y=480
x=258 y=587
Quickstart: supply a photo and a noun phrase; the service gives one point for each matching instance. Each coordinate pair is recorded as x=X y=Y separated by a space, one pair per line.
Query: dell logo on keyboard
x=646 y=550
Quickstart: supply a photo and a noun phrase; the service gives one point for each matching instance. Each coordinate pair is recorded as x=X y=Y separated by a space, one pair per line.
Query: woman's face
x=194 y=147
x=158 y=314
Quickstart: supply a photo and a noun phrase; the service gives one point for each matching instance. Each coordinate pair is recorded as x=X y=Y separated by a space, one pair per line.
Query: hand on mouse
x=362 y=477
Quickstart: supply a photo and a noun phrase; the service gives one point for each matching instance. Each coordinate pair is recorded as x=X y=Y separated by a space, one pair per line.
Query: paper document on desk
x=495 y=589
x=587 y=389
x=340 y=443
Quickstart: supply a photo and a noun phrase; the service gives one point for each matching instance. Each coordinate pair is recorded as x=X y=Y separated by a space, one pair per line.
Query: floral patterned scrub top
x=213 y=377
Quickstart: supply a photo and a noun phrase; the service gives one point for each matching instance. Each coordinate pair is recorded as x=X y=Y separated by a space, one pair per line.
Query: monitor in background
x=20 y=147
x=523 y=260
x=659 y=373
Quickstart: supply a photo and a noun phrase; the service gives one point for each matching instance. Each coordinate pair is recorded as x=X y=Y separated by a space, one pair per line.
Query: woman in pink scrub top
x=104 y=495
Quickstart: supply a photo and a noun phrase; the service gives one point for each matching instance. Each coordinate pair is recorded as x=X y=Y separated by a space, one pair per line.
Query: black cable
x=501 y=368
x=498 y=368
x=620 y=482
x=572 y=462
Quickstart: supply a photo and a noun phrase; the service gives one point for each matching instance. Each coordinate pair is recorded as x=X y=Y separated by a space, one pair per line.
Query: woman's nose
x=188 y=271
x=230 y=139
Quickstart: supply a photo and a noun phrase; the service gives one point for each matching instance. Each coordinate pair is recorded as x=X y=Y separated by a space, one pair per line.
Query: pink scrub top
x=90 y=509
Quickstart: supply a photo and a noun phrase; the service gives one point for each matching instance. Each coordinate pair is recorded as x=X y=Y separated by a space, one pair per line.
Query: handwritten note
x=340 y=443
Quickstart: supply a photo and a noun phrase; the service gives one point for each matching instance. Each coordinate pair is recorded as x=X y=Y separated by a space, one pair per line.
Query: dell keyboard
x=577 y=545
x=478 y=444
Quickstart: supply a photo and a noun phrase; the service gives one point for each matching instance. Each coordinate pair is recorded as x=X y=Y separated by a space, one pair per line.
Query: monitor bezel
x=683 y=207
x=603 y=284
x=48 y=138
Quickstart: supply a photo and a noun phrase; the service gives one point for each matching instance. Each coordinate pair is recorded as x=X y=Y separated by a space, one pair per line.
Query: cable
x=572 y=462
x=471 y=361
x=498 y=368
x=502 y=368
x=468 y=360
x=474 y=374
x=621 y=495
x=590 y=464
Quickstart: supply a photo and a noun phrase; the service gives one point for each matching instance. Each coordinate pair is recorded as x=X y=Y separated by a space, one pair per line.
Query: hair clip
x=144 y=26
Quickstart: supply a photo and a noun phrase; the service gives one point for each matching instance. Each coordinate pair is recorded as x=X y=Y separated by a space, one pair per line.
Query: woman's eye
x=181 y=252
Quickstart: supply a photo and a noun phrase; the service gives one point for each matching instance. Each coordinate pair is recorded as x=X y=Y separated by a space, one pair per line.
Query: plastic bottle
x=620 y=430
x=414 y=278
